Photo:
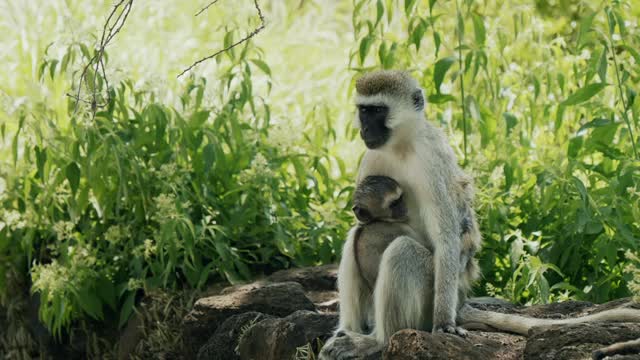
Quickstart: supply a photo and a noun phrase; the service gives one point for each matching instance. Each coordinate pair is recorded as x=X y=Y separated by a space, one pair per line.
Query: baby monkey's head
x=379 y=198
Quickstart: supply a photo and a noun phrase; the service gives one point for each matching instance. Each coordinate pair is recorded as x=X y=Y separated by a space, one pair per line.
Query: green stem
x=464 y=111
x=624 y=102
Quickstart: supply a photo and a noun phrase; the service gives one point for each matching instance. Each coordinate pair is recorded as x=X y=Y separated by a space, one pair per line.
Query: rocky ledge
x=290 y=314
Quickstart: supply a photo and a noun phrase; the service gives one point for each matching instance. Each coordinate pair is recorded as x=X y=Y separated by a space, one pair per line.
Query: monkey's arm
x=354 y=302
x=443 y=228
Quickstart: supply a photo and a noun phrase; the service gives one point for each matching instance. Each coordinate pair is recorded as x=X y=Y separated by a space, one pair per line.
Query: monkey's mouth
x=374 y=143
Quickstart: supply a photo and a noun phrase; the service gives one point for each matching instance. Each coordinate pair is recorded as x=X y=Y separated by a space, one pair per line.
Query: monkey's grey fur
x=425 y=273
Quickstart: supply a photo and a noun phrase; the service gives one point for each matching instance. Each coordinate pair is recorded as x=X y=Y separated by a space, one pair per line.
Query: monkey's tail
x=521 y=324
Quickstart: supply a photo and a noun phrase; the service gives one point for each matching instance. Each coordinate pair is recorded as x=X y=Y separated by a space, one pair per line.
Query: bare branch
x=109 y=31
x=249 y=36
x=206 y=7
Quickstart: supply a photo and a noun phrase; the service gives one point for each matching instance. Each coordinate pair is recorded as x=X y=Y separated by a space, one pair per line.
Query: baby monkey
x=382 y=214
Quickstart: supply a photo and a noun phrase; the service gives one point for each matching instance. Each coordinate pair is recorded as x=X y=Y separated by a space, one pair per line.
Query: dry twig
x=111 y=28
x=249 y=36
x=206 y=7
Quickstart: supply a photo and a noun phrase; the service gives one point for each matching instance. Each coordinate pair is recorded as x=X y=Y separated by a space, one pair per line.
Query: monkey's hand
x=450 y=329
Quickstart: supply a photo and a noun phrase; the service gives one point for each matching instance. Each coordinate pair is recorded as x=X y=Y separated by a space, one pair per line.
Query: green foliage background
x=246 y=165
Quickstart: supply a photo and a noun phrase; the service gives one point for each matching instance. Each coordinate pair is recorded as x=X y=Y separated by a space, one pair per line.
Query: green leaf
x=379 y=11
x=602 y=66
x=127 y=309
x=72 y=172
x=440 y=98
x=436 y=42
x=479 y=30
x=575 y=144
x=583 y=94
x=52 y=68
x=262 y=65
x=408 y=6
x=585 y=27
x=460 y=25
x=418 y=34
x=365 y=44
x=208 y=156
x=511 y=121
x=633 y=52
x=90 y=303
x=41 y=159
x=440 y=70
x=599 y=122
x=431 y=4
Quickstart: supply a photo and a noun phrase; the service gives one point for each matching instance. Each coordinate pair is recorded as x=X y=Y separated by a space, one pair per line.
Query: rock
x=311 y=278
x=275 y=339
x=208 y=313
x=222 y=344
x=576 y=341
x=415 y=344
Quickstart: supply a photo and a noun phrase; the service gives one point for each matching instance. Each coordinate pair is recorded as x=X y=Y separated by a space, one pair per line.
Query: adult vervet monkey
x=402 y=145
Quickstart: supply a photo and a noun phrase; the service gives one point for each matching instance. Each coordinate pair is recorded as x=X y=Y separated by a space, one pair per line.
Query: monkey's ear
x=418 y=100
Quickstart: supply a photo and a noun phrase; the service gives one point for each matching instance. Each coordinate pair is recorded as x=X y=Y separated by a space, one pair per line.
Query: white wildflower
x=135 y=284
x=64 y=229
x=167 y=171
x=325 y=212
x=150 y=248
x=115 y=234
x=258 y=170
x=585 y=55
x=165 y=208
x=50 y=279
x=281 y=137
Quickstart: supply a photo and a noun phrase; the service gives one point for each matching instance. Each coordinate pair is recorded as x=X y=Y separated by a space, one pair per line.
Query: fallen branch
x=246 y=38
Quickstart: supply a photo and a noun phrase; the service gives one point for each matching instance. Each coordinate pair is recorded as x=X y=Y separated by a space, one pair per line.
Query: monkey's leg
x=355 y=300
x=403 y=296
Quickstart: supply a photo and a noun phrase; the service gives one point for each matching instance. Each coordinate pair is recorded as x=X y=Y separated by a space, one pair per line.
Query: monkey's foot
x=450 y=329
x=351 y=346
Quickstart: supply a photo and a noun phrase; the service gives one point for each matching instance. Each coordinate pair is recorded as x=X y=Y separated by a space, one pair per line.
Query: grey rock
x=576 y=341
x=275 y=339
x=208 y=313
x=222 y=344
x=415 y=344
x=311 y=278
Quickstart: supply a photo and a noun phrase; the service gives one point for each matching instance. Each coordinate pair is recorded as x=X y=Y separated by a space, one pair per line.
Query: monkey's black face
x=373 y=128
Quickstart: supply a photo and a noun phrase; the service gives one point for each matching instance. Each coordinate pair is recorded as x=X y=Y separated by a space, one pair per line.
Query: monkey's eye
x=377 y=109
x=395 y=203
x=362 y=214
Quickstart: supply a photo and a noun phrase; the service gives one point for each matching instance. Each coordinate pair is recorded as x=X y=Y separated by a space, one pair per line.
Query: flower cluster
x=64 y=230
x=282 y=138
x=165 y=208
x=115 y=234
x=634 y=269
x=258 y=170
x=50 y=279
